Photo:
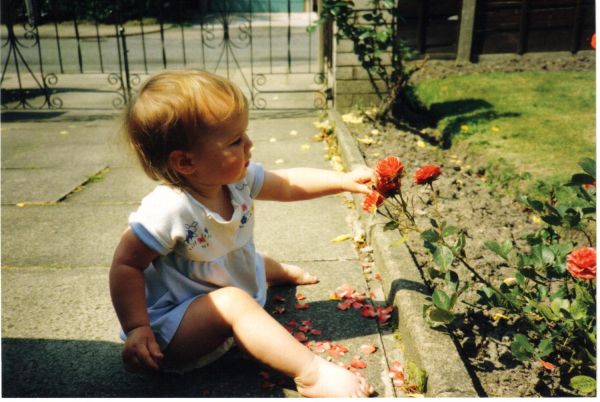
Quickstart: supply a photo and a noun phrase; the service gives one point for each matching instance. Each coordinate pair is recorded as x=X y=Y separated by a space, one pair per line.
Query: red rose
x=581 y=263
x=389 y=168
x=427 y=174
x=386 y=189
x=586 y=186
x=594 y=41
x=372 y=201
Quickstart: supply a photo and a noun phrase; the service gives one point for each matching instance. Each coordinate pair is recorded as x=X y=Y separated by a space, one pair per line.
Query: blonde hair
x=170 y=112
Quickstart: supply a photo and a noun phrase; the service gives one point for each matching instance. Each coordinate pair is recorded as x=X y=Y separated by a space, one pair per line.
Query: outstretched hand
x=355 y=181
x=141 y=350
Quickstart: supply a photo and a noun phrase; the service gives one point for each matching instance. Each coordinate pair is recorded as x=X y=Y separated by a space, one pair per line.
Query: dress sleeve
x=158 y=222
x=255 y=177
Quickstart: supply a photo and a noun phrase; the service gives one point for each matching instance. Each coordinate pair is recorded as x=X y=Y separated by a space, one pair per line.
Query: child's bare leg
x=284 y=274
x=211 y=319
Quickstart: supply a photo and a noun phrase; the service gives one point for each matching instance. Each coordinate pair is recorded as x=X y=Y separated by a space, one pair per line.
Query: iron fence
x=56 y=49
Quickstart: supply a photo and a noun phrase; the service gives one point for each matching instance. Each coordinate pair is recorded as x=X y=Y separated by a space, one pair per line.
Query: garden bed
x=466 y=202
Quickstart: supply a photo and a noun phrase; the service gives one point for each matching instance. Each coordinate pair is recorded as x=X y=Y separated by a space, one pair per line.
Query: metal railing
x=57 y=48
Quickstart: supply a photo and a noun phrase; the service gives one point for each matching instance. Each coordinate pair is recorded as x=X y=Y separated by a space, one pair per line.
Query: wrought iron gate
x=55 y=50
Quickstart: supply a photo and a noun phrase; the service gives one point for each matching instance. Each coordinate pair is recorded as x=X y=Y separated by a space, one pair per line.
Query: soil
x=465 y=203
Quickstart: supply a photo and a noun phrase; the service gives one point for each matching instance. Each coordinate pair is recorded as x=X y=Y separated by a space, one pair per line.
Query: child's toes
x=307 y=278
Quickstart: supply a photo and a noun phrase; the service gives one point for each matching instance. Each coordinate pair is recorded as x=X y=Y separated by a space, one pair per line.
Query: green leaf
x=580 y=179
x=452 y=280
x=430 y=236
x=536 y=205
x=434 y=273
x=502 y=251
x=390 y=226
x=583 y=383
x=521 y=348
x=584 y=295
x=558 y=304
x=441 y=299
x=520 y=278
x=433 y=223
x=561 y=292
x=382 y=36
x=541 y=256
x=578 y=309
x=430 y=247
x=399 y=242
x=449 y=231
x=443 y=316
x=460 y=243
x=523 y=341
x=542 y=292
x=544 y=310
x=589 y=166
x=545 y=348
x=443 y=257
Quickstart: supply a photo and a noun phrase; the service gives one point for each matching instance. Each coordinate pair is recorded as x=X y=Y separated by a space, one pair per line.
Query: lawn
x=542 y=123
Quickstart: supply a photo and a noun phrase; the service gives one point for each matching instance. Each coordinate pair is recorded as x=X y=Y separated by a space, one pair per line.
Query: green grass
x=542 y=123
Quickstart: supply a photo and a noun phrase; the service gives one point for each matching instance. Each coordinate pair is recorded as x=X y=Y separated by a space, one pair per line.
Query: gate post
x=127 y=82
x=467 y=25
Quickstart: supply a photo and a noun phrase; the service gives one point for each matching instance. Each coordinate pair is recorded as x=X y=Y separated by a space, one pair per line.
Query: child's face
x=223 y=153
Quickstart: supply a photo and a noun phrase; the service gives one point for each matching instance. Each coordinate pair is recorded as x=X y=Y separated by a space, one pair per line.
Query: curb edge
x=433 y=350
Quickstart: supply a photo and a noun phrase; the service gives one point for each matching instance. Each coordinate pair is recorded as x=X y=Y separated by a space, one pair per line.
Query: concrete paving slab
x=62 y=235
x=60 y=339
x=118 y=185
x=43 y=185
x=302 y=231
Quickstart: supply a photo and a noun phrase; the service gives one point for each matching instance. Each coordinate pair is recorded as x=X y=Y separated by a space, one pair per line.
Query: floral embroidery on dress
x=247 y=214
x=192 y=233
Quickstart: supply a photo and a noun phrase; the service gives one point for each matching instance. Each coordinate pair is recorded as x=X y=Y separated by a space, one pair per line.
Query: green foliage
x=373 y=40
x=558 y=305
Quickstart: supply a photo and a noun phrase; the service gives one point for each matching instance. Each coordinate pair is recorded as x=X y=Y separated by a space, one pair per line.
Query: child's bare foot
x=292 y=275
x=326 y=380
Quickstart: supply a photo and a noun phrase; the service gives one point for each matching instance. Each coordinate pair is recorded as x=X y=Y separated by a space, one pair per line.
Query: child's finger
x=155 y=350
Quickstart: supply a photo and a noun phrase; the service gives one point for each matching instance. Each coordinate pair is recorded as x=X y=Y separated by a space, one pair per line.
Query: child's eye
x=238 y=142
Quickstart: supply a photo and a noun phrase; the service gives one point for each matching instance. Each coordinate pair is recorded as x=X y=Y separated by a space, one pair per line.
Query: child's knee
x=233 y=300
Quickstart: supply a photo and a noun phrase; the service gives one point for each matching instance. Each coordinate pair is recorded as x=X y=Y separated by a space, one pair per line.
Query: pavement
x=67 y=191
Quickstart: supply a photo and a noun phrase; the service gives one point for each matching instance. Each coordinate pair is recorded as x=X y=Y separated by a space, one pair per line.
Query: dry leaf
x=341 y=238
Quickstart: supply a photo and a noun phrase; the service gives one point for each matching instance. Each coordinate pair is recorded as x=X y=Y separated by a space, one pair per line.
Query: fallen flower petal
x=281 y=382
x=289 y=329
x=358 y=364
x=278 y=298
x=342 y=365
x=549 y=366
x=308 y=323
x=384 y=313
x=378 y=277
x=368 y=349
x=345 y=305
x=280 y=310
x=304 y=329
x=335 y=353
x=264 y=374
x=357 y=304
x=300 y=336
x=300 y=296
x=316 y=332
x=293 y=322
x=267 y=384
x=368 y=311
x=299 y=306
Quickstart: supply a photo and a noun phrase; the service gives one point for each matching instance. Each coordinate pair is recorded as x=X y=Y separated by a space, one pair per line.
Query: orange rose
x=389 y=169
x=581 y=263
x=372 y=201
x=586 y=186
x=427 y=174
x=594 y=41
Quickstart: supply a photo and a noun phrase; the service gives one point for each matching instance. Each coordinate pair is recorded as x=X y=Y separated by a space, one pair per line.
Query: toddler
x=186 y=280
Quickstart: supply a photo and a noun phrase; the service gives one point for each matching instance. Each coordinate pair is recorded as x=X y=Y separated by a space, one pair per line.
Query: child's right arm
x=127 y=290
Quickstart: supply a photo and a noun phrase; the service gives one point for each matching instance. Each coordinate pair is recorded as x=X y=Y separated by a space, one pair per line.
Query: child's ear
x=182 y=162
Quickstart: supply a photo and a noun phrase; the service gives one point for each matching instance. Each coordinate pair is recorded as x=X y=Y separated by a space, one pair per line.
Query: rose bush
x=554 y=286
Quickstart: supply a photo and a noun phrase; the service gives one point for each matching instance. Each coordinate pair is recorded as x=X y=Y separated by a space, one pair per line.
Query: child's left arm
x=306 y=183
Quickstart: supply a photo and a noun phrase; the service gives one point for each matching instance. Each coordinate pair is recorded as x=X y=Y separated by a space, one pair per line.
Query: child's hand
x=355 y=180
x=140 y=350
